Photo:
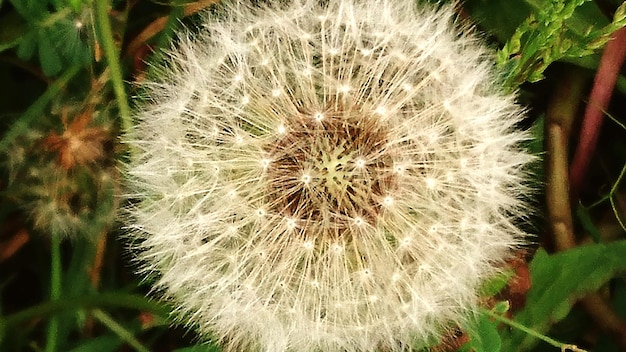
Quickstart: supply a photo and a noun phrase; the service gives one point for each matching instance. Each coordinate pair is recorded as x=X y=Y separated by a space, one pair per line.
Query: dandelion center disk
x=331 y=168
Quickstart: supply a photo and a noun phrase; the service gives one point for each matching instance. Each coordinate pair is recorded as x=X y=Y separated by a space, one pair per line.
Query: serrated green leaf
x=620 y=13
x=535 y=77
x=558 y=281
x=547 y=31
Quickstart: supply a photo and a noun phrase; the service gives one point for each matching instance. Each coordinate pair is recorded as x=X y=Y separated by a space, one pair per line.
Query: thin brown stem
x=12 y=245
x=559 y=117
x=159 y=24
x=603 y=315
x=96 y=268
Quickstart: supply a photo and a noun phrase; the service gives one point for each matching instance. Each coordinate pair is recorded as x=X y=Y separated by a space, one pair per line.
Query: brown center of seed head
x=331 y=170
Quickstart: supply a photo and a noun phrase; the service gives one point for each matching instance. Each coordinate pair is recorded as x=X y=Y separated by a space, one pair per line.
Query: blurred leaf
x=54 y=37
x=75 y=4
x=12 y=29
x=494 y=285
x=107 y=343
x=484 y=336
x=559 y=280
x=48 y=56
x=31 y=10
x=27 y=46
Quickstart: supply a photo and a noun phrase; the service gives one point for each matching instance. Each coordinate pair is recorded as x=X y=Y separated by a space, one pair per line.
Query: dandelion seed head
x=338 y=176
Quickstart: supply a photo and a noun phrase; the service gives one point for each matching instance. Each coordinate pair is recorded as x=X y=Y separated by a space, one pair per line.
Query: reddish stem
x=603 y=86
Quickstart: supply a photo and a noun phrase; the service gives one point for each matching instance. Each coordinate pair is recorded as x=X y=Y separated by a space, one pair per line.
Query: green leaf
x=50 y=59
x=494 y=285
x=70 y=46
x=53 y=36
x=484 y=336
x=501 y=307
x=539 y=32
x=75 y=4
x=559 y=280
x=32 y=10
x=107 y=343
x=27 y=46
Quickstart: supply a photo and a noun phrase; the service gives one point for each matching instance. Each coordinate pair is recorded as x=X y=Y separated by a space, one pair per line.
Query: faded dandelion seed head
x=326 y=177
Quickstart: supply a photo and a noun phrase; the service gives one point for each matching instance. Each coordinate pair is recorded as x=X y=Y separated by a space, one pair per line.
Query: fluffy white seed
x=338 y=177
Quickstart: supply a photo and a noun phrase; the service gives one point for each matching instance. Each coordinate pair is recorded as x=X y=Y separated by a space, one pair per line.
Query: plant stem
x=55 y=291
x=608 y=71
x=531 y=332
x=120 y=300
x=112 y=56
x=559 y=118
x=122 y=332
x=160 y=23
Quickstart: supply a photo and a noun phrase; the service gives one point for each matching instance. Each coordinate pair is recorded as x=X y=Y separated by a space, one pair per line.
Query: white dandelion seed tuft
x=326 y=177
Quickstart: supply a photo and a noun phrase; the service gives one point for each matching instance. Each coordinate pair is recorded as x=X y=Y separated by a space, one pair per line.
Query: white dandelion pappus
x=326 y=177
